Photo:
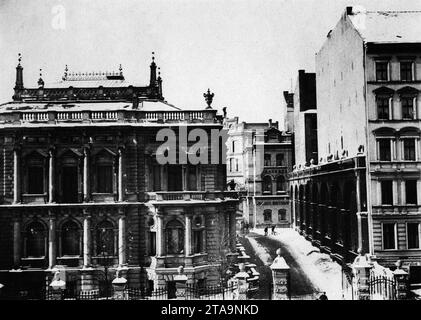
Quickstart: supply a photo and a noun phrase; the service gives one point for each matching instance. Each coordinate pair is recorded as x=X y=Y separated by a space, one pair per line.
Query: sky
x=247 y=52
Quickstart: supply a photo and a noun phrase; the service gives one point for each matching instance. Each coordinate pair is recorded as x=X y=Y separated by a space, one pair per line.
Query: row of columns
x=87 y=241
x=160 y=238
x=51 y=176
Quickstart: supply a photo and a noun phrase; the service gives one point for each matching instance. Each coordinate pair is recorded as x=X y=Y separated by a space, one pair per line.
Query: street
x=301 y=286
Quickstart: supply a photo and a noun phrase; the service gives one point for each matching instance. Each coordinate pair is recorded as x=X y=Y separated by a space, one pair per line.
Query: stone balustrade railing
x=207 y=116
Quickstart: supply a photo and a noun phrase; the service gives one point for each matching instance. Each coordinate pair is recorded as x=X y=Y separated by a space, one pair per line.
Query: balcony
x=191 y=195
x=174 y=261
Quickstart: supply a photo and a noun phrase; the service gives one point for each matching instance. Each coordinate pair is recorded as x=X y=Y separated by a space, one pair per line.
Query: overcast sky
x=246 y=52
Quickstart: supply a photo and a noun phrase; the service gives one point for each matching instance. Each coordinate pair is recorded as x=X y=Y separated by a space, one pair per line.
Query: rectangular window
x=105 y=179
x=384 y=150
x=382 y=70
x=35 y=180
x=279 y=160
x=233 y=146
x=406 y=70
x=389 y=236
x=407 y=107
x=409 y=149
x=152 y=243
x=267 y=160
x=236 y=165
x=231 y=165
x=156 y=178
x=411 y=191
x=382 y=108
x=387 y=192
x=413 y=235
x=198 y=241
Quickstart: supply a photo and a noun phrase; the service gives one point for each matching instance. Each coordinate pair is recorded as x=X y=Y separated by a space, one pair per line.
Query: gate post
x=57 y=285
x=361 y=268
x=180 y=284
x=119 y=287
x=401 y=279
x=242 y=284
x=280 y=275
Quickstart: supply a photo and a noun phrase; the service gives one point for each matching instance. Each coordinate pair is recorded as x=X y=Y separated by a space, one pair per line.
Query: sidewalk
x=322 y=271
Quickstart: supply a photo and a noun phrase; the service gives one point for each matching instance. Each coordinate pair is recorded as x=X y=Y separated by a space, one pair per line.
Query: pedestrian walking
x=266 y=231
x=273 y=229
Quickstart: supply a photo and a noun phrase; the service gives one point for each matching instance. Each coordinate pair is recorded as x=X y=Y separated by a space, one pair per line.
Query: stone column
x=242 y=284
x=120 y=175
x=86 y=192
x=180 y=284
x=86 y=241
x=122 y=240
x=52 y=241
x=16 y=175
x=401 y=279
x=232 y=231
x=159 y=236
x=51 y=187
x=188 y=235
x=16 y=242
x=361 y=268
x=280 y=276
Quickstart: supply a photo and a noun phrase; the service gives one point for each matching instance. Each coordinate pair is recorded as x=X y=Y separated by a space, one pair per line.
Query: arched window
x=175 y=237
x=280 y=183
x=282 y=215
x=70 y=239
x=35 y=240
x=105 y=239
x=267 y=215
x=267 y=184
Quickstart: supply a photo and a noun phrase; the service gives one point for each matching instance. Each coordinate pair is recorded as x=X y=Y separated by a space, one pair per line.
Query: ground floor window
x=70 y=239
x=105 y=239
x=198 y=241
x=282 y=214
x=35 y=240
x=389 y=236
x=413 y=235
x=175 y=237
x=152 y=243
x=267 y=215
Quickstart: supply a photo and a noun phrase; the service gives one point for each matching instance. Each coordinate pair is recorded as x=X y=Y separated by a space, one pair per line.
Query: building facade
x=265 y=157
x=368 y=115
x=82 y=190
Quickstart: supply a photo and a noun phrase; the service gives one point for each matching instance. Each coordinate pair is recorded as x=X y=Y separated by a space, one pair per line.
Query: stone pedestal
x=280 y=276
x=361 y=268
x=119 y=287
x=242 y=284
x=401 y=279
x=180 y=284
x=57 y=287
x=87 y=279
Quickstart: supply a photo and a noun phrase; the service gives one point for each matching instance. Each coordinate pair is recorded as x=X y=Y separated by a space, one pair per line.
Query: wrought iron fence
x=218 y=292
x=382 y=287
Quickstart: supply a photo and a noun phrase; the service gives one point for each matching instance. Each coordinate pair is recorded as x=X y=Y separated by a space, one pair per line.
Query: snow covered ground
x=323 y=272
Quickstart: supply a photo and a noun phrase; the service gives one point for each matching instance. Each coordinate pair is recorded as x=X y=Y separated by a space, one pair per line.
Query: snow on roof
x=147 y=105
x=106 y=83
x=388 y=26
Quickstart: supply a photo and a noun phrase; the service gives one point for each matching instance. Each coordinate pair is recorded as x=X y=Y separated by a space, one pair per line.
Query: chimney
x=349 y=11
x=270 y=123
